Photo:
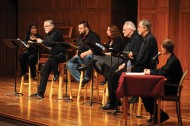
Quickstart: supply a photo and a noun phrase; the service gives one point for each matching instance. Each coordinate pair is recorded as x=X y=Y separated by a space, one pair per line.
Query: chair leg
x=139 y=108
x=69 y=83
x=51 y=88
x=30 y=83
x=154 y=113
x=131 y=106
x=21 y=84
x=85 y=92
x=105 y=94
x=61 y=70
x=178 y=111
x=80 y=85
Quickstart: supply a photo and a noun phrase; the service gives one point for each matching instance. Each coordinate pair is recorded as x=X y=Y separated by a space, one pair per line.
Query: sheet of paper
x=135 y=73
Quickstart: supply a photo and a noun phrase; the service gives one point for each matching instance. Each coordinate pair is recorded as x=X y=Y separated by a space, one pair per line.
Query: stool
x=91 y=88
x=69 y=84
x=61 y=68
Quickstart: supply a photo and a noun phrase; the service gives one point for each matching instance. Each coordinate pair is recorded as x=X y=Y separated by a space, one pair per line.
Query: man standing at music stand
x=84 y=53
x=57 y=55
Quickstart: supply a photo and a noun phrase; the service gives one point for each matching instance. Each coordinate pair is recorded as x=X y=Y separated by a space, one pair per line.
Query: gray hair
x=51 y=22
x=146 y=23
x=130 y=25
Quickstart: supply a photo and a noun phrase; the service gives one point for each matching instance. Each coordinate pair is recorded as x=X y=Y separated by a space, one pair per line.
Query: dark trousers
x=113 y=79
x=26 y=60
x=149 y=102
x=50 y=65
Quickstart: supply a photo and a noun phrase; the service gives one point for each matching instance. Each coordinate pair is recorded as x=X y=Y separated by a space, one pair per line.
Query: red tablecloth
x=140 y=85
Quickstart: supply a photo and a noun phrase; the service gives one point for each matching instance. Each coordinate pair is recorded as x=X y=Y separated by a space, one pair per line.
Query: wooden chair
x=61 y=79
x=85 y=87
x=61 y=67
x=29 y=83
x=66 y=30
x=23 y=82
x=176 y=98
x=43 y=58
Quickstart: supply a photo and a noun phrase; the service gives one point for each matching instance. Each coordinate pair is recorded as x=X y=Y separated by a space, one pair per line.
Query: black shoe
x=86 y=65
x=84 y=82
x=26 y=76
x=38 y=95
x=133 y=100
x=109 y=106
x=56 y=76
x=150 y=120
x=83 y=67
x=119 y=103
x=34 y=78
x=103 y=82
x=163 y=117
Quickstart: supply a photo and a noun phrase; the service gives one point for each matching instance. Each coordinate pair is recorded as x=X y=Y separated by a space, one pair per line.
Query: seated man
x=86 y=41
x=172 y=71
x=57 y=55
x=134 y=46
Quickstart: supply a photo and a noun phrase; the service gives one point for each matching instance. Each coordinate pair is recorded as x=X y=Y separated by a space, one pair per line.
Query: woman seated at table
x=115 y=41
x=30 y=56
x=172 y=71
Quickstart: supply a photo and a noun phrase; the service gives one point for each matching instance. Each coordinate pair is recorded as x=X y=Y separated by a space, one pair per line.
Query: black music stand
x=39 y=46
x=92 y=47
x=14 y=43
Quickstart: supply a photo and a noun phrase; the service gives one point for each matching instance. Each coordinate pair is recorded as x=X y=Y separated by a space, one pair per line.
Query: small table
x=139 y=85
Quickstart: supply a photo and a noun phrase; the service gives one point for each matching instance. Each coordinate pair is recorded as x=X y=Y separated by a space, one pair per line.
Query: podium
x=15 y=44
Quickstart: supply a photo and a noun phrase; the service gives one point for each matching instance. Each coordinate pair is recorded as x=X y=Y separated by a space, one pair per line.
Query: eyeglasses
x=46 y=26
x=141 y=26
x=125 y=29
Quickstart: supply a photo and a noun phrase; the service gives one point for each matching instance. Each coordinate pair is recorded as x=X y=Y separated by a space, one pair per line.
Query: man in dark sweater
x=86 y=43
x=57 y=55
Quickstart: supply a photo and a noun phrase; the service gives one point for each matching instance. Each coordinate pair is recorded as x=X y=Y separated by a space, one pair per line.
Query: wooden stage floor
x=61 y=113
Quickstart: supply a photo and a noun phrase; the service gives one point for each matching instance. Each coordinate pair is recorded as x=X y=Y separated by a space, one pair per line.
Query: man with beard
x=86 y=42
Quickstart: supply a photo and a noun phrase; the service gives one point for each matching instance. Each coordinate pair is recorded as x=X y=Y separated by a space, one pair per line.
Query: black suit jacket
x=172 y=70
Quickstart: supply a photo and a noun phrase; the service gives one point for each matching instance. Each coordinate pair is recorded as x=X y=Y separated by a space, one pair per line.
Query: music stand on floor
x=92 y=47
x=15 y=44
